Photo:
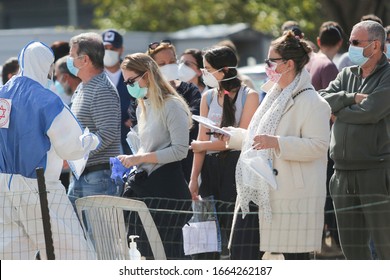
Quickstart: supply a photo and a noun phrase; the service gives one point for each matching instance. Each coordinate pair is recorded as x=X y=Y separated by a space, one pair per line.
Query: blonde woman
x=164 y=120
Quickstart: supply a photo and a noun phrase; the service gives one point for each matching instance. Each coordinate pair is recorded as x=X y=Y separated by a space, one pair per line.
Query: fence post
x=45 y=214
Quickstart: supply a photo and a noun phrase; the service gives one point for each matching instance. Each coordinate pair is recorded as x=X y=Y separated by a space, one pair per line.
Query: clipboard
x=210 y=124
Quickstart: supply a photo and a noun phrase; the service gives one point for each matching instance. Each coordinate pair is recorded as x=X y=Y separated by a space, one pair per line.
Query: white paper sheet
x=200 y=237
x=210 y=124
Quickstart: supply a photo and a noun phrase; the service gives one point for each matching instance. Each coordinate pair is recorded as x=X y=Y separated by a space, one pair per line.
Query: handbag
x=202 y=233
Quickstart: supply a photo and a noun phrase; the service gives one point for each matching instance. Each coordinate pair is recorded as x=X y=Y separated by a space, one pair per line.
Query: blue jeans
x=93 y=183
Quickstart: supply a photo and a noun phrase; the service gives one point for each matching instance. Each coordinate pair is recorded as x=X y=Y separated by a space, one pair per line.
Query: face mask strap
x=228 y=67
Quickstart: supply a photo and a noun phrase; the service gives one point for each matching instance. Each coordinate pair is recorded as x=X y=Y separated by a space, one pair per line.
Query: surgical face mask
x=186 y=73
x=136 y=91
x=356 y=55
x=59 y=88
x=49 y=83
x=110 y=58
x=170 y=71
x=271 y=73
x=70 y=64
x=388 y=51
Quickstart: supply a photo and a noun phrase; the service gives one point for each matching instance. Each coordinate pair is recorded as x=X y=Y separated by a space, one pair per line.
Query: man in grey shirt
x=96 y=105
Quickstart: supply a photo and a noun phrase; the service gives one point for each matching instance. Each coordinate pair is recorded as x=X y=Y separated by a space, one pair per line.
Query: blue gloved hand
x=118 y=170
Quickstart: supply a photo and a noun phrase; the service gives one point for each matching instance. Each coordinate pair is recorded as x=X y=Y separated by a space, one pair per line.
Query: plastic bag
x=133 y=140
x=202 y=233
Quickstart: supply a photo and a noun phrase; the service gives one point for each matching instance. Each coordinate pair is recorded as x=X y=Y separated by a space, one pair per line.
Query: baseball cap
x=112 y=37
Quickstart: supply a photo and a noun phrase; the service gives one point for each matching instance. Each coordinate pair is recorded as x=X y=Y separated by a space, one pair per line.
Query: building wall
x=43 y=13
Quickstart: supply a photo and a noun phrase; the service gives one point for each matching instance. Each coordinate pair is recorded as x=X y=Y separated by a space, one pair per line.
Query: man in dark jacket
x=113 y=45
x=360 y=145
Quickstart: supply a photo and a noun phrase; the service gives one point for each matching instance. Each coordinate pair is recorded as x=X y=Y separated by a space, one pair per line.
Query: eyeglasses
x=77 y=57
x=154 y=45
x=131 y=82
x=357 y=42
x=269 y=61
x=188 y=63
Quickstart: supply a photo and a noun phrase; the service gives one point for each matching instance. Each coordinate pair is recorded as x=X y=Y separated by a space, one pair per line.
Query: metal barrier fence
x=23 y=235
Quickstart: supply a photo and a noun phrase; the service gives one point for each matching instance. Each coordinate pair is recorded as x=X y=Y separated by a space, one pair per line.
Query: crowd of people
x=289 y=169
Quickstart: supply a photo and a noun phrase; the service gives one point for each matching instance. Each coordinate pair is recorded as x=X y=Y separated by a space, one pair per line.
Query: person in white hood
x=37 y=130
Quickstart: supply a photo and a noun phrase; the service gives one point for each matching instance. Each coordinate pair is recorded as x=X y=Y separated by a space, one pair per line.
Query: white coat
x=298 y=203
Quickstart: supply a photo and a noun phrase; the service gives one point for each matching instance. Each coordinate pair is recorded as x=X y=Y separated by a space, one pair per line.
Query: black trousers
x=164 y=189
x=219 y=180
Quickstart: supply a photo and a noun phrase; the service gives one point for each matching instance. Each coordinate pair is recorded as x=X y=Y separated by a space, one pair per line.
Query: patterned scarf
x=251 y=186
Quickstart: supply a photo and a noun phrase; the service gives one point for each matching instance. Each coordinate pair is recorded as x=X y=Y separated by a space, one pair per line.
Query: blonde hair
x=159 y=90
x=163 y=45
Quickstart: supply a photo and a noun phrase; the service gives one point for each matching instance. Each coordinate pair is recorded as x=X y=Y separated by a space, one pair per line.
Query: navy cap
x=112 y=37
x=297 y=32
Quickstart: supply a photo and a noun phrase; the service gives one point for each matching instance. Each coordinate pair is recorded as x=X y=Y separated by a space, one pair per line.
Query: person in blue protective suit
x=37 y=130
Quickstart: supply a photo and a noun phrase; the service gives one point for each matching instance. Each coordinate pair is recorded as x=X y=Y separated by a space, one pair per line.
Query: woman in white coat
x=290 y=133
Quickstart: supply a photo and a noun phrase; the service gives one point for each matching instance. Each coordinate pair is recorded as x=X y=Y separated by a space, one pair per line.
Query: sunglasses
x=130 y=82
x=357 y=42
x=154 y=45
x=270 y=61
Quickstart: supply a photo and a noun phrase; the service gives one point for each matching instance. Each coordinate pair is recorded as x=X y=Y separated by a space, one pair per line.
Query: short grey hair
x=374 y=29
x=91 y=44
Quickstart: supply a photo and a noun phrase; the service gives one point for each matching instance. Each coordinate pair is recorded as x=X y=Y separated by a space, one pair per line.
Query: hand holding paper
x=89 y=142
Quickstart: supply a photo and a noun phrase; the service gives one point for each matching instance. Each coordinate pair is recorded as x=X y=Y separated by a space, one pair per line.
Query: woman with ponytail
x=228 y=103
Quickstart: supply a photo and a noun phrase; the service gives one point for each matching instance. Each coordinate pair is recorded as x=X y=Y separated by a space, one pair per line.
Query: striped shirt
x=96 y=105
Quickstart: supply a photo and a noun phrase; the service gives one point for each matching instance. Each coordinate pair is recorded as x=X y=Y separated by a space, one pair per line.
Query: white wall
x=13 y=40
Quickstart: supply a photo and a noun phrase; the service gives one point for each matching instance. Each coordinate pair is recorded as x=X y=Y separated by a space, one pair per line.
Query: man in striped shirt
x=96 y=105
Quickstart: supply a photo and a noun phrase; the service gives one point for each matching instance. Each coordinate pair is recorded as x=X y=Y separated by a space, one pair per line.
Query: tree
x=348 y=13
x=171 y=15
x=263 y=15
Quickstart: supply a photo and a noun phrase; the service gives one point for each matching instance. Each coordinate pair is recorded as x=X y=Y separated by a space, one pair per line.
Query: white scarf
x=250 y=186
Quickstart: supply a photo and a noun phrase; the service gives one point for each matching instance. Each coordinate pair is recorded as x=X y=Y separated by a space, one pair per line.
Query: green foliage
x=171 y=15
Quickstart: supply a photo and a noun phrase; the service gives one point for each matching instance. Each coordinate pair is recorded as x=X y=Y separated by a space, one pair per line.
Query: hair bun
x=306 y=46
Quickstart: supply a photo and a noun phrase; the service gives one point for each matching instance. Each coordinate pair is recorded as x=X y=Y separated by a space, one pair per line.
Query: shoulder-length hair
x=159 y=90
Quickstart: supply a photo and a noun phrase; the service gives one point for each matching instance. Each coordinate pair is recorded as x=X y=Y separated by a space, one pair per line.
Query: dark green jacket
x=360 y=136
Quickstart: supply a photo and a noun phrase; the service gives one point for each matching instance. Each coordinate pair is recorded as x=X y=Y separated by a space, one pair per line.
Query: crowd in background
x=321 y=127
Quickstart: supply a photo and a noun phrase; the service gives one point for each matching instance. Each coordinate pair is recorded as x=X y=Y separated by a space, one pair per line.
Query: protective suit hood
x=35 y=61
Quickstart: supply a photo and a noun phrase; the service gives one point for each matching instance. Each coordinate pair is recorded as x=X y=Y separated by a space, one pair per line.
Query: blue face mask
x=388 y=51
x=59 y=88
x=70 y=64
x=356 y=55
x=136 y=91
x=49 y=83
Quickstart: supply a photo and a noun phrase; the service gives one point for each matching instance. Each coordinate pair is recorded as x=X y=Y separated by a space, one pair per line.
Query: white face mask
x=186 y=73
x=170 y=71
x=210 y=80
x=110 y=58
x=261 y=168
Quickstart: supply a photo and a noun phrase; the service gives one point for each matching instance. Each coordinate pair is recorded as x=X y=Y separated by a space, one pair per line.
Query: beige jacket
x=298 y=203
